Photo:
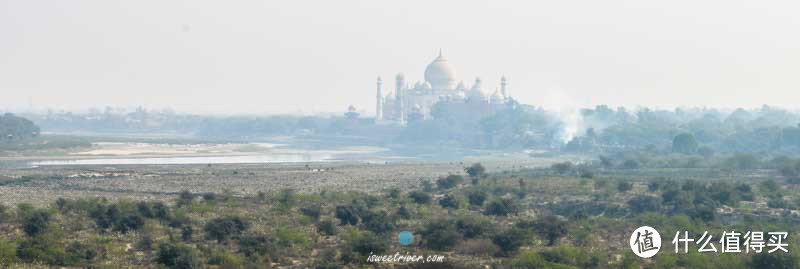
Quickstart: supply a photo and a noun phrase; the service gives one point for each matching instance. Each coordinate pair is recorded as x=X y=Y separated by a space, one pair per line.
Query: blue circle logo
x=405 y=238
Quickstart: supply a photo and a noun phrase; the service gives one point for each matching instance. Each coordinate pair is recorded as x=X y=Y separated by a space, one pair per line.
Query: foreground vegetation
x=572 y=215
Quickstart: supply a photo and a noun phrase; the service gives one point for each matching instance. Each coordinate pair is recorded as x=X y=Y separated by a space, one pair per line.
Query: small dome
x=478 y=85
x=497 y=97
x=461 y=86
x=440 y=74
x=477 y=93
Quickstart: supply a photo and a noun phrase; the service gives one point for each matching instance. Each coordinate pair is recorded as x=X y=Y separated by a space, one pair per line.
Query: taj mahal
x=407 y=103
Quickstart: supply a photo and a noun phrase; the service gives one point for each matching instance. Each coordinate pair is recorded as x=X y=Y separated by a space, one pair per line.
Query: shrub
x=420 y=197
x=367 y=242
x=530 y=259
x=286 y=197
x=654 y=185
x=394 y=193
x=326 y=227
x=288 y=237
x=586 y=173
x=4 y=214
x=502 y=207
x=569 y=255
x=185 y=198
x=769 y=187
x=449 y=201
x=45 y=248
x=312 y=212
x=777 y=202
x=745 y=191
x=347 y=214
x=221 y=229
x=24 y=211
x=378 y=222
x=8 y=252
x=477 y=198
x=145 y=210
x=257 y=245
x=606 y=161
x=187 y=232
x=776 y=260
x=105 y=216
x=80 y=253
x=624 y=186
x=478 y=247
x=563 y=167
x=161 y=211
x=145 y=242
x=121 y=220
x=427 y=186
x=510 y=240
x=473 y=226
x=226 y=260
x=36 y=223
x=630 y=164
x=403 y=213
x=449 y=181
x=176 y=255
x=440 y=235
x=550 y=227
x=210 y=197
x=129 y=223
x=644 y=203
x=741 y=161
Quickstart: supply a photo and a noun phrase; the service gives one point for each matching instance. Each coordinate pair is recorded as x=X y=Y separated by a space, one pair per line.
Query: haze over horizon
x=299 y=56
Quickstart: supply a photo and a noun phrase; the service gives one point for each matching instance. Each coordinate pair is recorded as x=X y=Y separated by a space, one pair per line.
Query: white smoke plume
x=568 y=110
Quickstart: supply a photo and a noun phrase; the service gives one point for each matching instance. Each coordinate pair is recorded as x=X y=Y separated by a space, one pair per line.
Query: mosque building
x=408 y=103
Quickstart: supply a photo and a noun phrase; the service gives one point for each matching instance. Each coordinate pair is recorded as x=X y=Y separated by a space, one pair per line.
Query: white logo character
x=645 y=242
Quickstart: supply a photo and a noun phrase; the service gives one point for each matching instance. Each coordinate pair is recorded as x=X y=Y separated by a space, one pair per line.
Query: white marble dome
x=441 y=74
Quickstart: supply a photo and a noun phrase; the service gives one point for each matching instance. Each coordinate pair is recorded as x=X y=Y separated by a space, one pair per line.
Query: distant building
x=415 y=102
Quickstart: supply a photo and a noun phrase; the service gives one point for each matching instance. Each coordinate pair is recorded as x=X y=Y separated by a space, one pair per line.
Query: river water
x=126 y=154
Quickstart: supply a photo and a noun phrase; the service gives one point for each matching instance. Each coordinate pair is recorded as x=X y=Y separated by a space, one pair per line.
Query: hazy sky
x=317 y=56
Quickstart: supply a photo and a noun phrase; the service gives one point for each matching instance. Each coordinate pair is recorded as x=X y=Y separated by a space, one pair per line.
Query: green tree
x=684 y=143
x=476 y=170
x=15 y=129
